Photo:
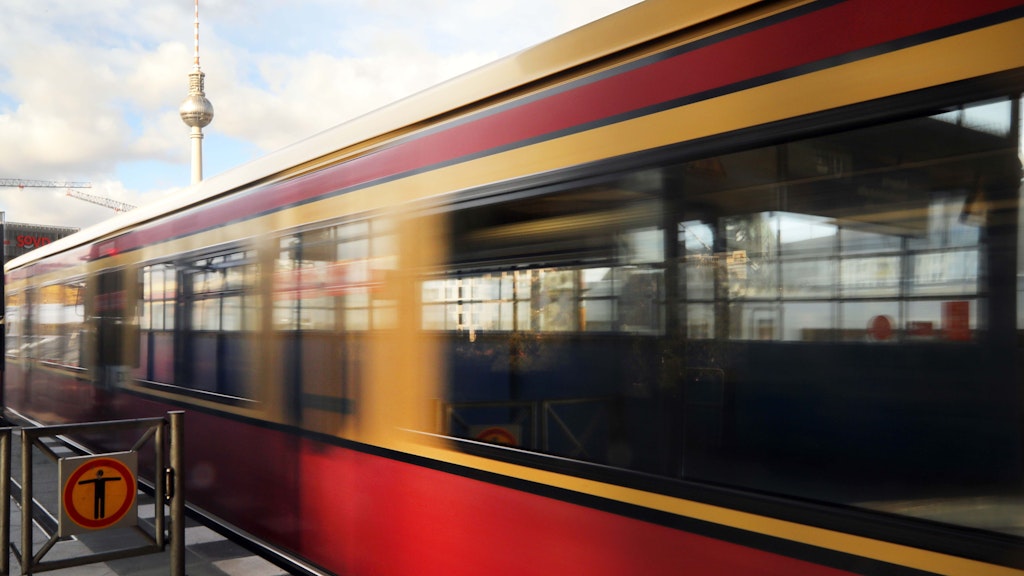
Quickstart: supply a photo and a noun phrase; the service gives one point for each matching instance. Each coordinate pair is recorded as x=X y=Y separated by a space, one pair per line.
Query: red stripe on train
x=385 y=517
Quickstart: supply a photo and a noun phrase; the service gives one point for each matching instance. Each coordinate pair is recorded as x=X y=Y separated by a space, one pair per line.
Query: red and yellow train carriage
x=729 y=287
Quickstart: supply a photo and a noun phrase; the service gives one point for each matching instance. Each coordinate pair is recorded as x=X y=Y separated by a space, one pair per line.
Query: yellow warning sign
x=98 y=492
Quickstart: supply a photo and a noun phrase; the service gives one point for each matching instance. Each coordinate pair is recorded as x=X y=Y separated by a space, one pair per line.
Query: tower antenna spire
x=196 y=111
x=195 y=34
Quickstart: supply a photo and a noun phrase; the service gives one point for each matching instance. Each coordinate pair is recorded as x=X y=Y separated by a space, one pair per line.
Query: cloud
x=308 y=94
x=89 y=91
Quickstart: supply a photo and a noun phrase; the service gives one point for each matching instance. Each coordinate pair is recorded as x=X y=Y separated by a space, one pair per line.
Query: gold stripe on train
x=830 y=539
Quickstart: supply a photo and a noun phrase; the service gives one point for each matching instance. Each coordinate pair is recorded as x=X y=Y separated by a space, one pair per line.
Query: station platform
x=207 y=553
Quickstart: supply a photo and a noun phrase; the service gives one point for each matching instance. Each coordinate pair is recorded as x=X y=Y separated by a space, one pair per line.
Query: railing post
x=160 y=485
x=26 y=502
x=5 y=500
x=177 y=489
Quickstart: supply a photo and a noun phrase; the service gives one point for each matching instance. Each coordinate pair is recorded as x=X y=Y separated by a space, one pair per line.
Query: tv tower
x=196 y=111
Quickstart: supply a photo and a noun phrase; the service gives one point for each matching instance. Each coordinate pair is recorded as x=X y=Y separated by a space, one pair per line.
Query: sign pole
x=177 y=492
x=26 y=504
x=5 y=498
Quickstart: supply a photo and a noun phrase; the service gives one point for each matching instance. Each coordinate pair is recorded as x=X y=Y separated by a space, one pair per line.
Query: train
x=722 y=287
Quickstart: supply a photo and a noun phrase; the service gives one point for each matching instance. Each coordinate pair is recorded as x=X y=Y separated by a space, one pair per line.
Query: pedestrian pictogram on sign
x=98 y=492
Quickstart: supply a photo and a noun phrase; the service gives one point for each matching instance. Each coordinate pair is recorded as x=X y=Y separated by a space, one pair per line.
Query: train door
x=330 y=311
x=309 y=327
x=115 y=341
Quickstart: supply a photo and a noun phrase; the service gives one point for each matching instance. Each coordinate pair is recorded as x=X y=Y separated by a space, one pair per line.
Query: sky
x=90 y=90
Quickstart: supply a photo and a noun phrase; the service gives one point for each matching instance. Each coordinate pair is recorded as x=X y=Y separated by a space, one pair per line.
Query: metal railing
x=541 y=421
x=168 y=489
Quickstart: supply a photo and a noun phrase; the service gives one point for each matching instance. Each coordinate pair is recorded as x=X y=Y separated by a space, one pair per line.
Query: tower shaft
x=197 y=154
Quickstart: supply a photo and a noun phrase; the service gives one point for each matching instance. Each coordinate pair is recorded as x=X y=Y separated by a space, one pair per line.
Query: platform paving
x=207 y=553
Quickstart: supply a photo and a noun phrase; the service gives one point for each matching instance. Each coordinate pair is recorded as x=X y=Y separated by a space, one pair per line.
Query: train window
x=221 y=310
x=527 y=278
x=61 y=324
x=609 y=278
x=13 y=323
x=484 y=302
x=156 y=322
x=48 y=324
x=327 y=279
x=304 y=264
x=222 y=293
x=832 y=318
x=29 y=328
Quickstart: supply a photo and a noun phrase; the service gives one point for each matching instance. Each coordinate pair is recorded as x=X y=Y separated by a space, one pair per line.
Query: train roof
x=632 y=26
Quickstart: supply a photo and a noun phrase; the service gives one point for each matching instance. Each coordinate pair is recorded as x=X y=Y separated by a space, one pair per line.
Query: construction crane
x=19 y=183
x=69 y=187
x=114 y=205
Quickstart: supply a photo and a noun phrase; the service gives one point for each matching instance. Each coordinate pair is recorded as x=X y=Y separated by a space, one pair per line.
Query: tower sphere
x=196 y=110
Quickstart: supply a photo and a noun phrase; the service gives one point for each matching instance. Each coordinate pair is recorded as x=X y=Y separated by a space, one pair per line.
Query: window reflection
x=222 y=292
x=58 y=324
x=329 y=278
x=827 y=318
